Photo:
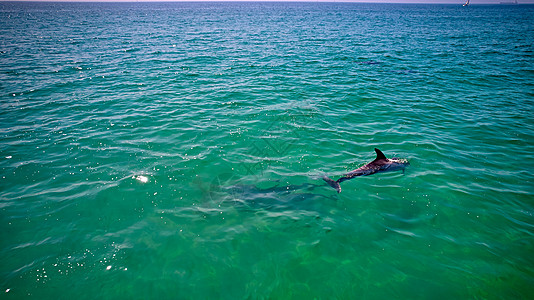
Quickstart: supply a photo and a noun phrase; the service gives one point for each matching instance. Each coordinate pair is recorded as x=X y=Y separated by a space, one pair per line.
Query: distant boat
x=510 y=2
x=467 y=3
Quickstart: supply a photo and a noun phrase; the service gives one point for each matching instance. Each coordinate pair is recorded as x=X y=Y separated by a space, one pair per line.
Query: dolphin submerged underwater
x=380 y=164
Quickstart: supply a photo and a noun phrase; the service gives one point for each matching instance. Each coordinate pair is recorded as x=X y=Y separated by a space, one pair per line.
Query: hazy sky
x=375 y=1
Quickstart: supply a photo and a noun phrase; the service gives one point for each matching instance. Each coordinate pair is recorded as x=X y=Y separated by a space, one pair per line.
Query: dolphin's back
x=380 y=164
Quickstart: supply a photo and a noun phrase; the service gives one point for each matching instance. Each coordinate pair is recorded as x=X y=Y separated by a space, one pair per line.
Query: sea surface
x=175 y=151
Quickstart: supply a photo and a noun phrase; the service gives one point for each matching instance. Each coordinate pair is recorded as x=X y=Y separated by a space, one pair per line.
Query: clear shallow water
x=173 y=150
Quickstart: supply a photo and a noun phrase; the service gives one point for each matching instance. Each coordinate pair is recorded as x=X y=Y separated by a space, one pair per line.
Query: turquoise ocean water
x=174 y=151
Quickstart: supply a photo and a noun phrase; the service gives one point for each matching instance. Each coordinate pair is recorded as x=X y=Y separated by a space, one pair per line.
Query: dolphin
x=380 y=164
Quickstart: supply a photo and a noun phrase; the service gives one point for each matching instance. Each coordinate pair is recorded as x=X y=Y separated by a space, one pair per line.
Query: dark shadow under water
x=278 y=197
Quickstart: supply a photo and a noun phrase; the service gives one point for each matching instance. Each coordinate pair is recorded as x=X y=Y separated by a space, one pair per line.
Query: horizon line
x=498 y=2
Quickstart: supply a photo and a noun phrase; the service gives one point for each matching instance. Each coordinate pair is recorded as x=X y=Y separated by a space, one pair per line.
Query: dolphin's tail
x=332 y=183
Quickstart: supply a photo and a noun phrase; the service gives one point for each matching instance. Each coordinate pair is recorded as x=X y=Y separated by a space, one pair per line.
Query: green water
x=174 y=151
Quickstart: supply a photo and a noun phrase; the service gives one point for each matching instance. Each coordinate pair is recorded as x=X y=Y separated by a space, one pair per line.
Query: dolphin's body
x=380 y=164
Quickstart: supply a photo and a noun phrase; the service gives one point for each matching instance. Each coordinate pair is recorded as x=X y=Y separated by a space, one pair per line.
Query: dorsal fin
x=379 y=154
